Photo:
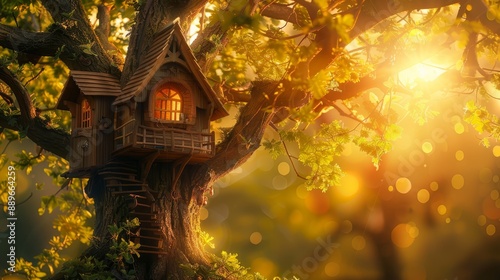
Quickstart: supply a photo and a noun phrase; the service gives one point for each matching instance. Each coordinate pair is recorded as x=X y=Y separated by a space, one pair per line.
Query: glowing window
x=86 y=114
x=168 y=105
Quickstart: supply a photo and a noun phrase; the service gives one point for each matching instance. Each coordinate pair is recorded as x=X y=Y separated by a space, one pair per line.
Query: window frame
x=85 y=114
x=168 y=104
x=182 y=92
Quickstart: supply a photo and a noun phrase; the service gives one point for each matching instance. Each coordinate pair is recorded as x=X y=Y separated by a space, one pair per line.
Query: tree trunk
x=167 y=207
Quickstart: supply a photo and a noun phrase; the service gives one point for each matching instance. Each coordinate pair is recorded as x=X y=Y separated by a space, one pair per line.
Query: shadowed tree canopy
x=318 y=73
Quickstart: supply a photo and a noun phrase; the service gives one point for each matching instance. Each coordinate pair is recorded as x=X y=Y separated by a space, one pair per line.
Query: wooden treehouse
x=167 y=105
x=162 y=114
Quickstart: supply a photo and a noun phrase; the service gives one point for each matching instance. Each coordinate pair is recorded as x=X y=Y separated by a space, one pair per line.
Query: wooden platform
x=141 y=151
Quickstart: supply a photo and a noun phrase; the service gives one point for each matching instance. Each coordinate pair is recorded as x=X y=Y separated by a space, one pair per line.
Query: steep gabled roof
x=88 y=83
x=154 y=59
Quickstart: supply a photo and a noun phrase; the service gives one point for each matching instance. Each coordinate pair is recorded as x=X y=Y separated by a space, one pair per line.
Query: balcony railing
x=165 y=139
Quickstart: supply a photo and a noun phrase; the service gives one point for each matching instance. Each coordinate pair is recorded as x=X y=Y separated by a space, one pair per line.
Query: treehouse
x=166 y=107
x=88 y=96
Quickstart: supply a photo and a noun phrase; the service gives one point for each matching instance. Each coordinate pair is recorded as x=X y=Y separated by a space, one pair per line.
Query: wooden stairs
x=122 y=180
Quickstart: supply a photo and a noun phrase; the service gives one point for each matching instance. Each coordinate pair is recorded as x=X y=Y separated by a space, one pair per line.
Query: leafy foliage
x=119 y=260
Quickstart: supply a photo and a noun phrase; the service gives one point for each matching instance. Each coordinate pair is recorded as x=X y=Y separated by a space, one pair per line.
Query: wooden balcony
x=136 y=140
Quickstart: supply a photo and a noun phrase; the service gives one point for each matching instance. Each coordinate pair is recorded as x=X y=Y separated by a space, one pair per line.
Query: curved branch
x=22 y=96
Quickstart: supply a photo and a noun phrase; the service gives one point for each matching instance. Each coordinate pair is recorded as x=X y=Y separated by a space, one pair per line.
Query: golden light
x=434 y=186
x=255 y=238
x=358 y=243
x=459 y=128
x=490 y=230
x=481 y=220
x=496 y=151
x=494 y=194
x=441 y=209
x=457 y=181
x=459 y=155
x=496 y=179
x=420 y=72
x=403 y=235
x=332 y=269
x=349 y=186
x=403 y=185
x=427 y=147
x=283 y=168
x=301 y=192
x=203 y=213
x=423 y=196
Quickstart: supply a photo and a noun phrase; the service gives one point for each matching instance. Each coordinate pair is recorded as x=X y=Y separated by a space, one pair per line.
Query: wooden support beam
x=147 y=163
x=181 y=163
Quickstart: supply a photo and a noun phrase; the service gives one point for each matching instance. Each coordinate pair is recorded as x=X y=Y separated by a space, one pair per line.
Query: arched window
x=86 y=117
x=168 y=104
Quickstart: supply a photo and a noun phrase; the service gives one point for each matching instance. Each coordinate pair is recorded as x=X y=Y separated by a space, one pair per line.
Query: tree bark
x=167 y=207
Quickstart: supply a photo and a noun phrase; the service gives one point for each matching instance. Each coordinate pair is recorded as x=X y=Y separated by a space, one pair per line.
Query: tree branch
x=37 y=43
x=281 y=12
x=82 y=48
x=53 y=140
x=22 y=96
x=103 y=32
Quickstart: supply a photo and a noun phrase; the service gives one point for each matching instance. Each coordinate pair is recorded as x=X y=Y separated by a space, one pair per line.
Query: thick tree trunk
x=167 y=207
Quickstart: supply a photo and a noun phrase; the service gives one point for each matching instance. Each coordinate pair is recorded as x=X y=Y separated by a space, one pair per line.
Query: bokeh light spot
x=401 y=237
x=490 y=230
x=301 y=192
x=358 y=243
x=434 y=186
x=441 y=209
x=203 y=213
x=283 y=168
x=255 y=237
x=280 y=182
x=349 y=185
x=332 y=269
x=494 y=194
x=423 y=196
x=427 y=147
x=390 y=188
x=346 y=226
x=403 y=185
x=447 y=220
x=481 y=220
x=459 y=155
x=457 y=181
x=496 y=179
x=412 y=230
x=459 y=128
x=496 y=151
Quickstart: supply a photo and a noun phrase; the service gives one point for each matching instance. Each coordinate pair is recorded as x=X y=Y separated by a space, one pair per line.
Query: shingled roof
x=88 y=83
x=155 y=59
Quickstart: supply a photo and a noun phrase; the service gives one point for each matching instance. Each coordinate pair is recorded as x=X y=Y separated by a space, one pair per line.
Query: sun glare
x=419 y=72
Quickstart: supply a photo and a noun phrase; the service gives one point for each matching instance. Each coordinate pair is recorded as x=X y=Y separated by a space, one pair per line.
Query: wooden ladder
x=122 y=181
